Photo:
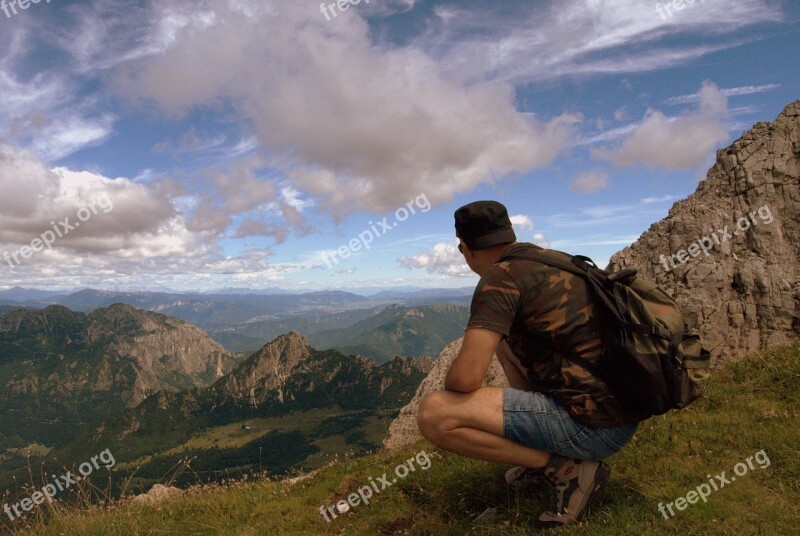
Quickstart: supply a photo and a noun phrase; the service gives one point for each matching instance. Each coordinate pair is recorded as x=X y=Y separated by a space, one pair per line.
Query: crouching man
x=557 y=422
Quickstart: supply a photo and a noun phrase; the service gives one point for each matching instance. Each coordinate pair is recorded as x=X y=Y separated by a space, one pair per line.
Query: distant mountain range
x=398 y=331
x=243 y=322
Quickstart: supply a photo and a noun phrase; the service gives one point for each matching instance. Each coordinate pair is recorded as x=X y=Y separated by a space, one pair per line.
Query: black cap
x=484 y=224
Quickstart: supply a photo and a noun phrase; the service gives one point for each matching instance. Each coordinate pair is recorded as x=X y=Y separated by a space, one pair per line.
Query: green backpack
x=650 y=363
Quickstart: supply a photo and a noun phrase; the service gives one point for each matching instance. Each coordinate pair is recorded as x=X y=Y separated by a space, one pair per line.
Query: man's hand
x=469 y=368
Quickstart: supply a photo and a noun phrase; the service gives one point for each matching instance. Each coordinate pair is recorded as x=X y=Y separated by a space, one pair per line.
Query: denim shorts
x=537 y=421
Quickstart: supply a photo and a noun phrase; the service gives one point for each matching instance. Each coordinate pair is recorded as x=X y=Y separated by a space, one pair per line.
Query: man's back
x=548 y=317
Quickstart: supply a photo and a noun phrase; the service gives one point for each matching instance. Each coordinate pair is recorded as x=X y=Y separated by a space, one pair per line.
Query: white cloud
x=68 y=133
x=675 y=143
x=647 y=210
x=110 y=227
x=594 y=241
x=728 y=92
x=523 y=227
x=540 y=239
x=590 y=182
x=444 y=259
x=351 y=118
x=529 y=41
x=521 y=223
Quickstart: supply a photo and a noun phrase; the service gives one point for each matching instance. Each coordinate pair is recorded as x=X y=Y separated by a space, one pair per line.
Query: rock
x=404 y=432
x=745 y=294
x=157 y=494
x=486 y=518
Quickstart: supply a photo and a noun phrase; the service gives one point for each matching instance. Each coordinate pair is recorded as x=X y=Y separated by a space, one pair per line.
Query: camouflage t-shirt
x=547 y=316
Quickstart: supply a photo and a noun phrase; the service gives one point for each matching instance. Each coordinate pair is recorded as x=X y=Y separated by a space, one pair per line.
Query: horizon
x=241 y=291
x=230 y=144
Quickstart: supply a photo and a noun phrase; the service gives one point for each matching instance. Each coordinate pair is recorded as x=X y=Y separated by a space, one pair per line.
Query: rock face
x=288 y=372
x=266 y=371
x=744 y=294
x=403 y=431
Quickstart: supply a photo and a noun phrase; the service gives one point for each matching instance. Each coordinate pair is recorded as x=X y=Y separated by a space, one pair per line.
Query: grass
x=749 y=406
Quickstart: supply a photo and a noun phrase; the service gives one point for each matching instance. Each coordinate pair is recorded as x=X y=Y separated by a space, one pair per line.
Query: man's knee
x=429 y=414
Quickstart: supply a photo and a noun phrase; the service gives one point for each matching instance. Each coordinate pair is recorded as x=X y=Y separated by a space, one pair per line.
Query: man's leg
x=521 y=476
x=471 y=424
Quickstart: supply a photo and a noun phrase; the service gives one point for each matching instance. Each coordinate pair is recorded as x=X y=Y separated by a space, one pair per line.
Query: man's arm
x=469 y=368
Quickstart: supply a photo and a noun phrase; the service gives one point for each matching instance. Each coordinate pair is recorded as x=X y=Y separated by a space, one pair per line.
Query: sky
x=201 y=145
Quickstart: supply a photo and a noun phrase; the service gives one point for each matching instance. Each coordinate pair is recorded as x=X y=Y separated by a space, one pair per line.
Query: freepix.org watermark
x=60 y=229
x=376 y=230
x=715 y=484
x=365 y=493
x=343 y=6
x=9 y=7
x=60 y=483
x=708 y=243
x=665 y=10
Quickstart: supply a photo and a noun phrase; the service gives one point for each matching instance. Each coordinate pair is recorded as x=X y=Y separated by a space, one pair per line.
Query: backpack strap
x=578 y=265
x=601 y=281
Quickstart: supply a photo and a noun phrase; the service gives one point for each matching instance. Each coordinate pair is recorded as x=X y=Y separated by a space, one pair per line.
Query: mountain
x=21 y=294
x=398 y=331
x=7 y=308
x=250 y=336
x=61 y=369
x=294 y=397
x=730 y=252
x=239 y=320
x=205 y=309
x=425 y=293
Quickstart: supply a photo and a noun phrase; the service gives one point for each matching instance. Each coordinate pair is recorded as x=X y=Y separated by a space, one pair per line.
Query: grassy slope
x=749 y=406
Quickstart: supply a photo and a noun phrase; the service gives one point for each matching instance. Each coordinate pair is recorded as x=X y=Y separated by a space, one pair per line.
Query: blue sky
x=236 y=143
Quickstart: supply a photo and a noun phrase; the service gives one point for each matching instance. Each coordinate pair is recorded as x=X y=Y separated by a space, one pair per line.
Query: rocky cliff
x=730 y=252
x=265 y=372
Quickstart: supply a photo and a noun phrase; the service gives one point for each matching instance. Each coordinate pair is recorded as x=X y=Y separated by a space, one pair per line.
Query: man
x=557 y=422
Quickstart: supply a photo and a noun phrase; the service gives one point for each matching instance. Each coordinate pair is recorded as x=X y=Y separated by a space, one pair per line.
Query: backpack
x=650 y=362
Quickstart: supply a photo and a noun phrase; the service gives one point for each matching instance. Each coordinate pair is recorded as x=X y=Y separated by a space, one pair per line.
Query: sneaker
x=576 y=484
x=519 y=478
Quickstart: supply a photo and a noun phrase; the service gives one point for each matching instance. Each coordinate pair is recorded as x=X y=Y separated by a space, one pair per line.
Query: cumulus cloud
x=521 y=223
x=675 y=143
x=240 y=193
x=523 y=228
x=589 y=182
x=444 y=259
x=104 y=223
x=366 y=127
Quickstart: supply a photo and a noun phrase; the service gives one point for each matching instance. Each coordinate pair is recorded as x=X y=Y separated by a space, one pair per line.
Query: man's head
x=485 y=232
